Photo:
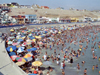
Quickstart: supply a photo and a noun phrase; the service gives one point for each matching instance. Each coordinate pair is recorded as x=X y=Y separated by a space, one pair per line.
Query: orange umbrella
x=28 y=55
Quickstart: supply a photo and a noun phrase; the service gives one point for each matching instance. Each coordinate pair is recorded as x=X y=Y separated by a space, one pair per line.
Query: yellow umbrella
x=37 y=63
x=11 y=30
x=34 y=40
x=59 y=32
x=20 y=63
x=38 y=37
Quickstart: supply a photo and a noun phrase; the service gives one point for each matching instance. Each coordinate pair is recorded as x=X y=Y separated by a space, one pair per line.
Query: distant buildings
x=44 y=7
x=20 y=19
x=30 y=18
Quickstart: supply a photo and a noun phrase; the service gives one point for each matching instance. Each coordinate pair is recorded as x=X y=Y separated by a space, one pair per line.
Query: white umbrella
x=20 y=49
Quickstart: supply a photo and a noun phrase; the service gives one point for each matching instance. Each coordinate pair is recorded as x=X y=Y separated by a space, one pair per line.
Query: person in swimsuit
x=85 y=71
x=96 y=66
x=93 y=67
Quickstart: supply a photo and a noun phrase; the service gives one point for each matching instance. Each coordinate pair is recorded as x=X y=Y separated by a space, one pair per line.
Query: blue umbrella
x=45 y=31
x=13 y=48
x=12 y=53
x=29 y=50
x=32 y=74
x=32 y=49
x=19 y=40
x=31 y=37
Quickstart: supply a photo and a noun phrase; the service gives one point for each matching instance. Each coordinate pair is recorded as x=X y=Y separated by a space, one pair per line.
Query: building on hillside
x=30 y=18
x=64 y=20
x=54 y=20
x=25 y=6
x=1 y=21
x=74 y=20
x=44 y=7
x=14 y=4
x=20 y=19
x=5 y=8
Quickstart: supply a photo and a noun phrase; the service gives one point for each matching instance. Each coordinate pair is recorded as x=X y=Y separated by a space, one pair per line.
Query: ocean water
x=89 y=61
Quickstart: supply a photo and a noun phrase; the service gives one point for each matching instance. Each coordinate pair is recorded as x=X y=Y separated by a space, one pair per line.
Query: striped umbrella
x=20 y=59
x=13 y=57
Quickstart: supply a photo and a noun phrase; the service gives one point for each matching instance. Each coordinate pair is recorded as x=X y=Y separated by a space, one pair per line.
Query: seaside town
x=13 y=14
x=38 y=40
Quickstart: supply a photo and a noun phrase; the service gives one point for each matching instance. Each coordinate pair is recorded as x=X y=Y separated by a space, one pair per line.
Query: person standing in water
x=71 y=60
x=85 y=71
x=78 y=66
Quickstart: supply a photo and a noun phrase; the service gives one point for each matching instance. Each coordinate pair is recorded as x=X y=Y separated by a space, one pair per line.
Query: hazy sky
x=77 y=4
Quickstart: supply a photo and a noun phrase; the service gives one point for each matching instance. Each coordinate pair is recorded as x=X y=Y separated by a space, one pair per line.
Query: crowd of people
x=54 y=45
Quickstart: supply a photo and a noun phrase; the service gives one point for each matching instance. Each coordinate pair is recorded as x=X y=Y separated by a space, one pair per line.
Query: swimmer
x=83 y=62
x=96 y=57
x=99 y=72
x=93 y=67
x=99 y=58
x=96 y=66
x=82 y=53
x=78 y=66
x=85 y=71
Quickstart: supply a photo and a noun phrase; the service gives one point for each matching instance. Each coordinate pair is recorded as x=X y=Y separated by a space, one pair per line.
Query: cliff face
x=54 y=13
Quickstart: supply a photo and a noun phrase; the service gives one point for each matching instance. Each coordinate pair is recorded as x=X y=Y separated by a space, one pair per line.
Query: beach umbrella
x=12 y=53
x=37 y=63
x=12 y=37
x=32 y=74
x=9 y=42
x=34 y=40
x=31 y=37
x=14 y=44
x=20 y=63
x=20 y=59
x=33 y=49
x=59 y=32
x=11 y=30
x=28 y=55
x=13 y=57
x=25 y=43
x=20 y=49
x=11 y=48
x=17 y=58
x=28 y=59
x=47 y=63
x=20 y=40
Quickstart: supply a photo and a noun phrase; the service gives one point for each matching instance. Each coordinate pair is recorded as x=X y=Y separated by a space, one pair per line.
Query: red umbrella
x=14 y=44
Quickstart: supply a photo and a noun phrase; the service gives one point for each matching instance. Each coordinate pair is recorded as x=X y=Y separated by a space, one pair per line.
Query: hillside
x=54 y=13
